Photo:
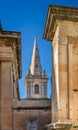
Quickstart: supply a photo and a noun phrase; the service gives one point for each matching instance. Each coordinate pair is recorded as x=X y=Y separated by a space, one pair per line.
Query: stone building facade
x=32 y=113
x=10 y=72
x=62 y=30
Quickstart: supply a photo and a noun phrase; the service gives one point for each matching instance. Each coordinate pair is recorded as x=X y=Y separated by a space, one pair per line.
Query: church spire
x=35 y=67
x=36 y=78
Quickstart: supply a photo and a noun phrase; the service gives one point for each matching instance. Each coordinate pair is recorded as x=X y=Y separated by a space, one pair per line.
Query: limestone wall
x=26 y=110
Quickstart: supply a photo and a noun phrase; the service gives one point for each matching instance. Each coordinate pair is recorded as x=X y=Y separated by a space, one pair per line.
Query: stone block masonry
x=62 y=30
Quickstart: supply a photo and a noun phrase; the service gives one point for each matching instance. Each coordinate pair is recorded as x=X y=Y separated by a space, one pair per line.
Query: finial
x=44 y=73
x=0 y=26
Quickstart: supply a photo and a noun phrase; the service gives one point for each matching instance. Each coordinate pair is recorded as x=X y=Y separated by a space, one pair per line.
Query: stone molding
x=32 y=103
x=58 y=13
x=60 y=125
x=11 y=40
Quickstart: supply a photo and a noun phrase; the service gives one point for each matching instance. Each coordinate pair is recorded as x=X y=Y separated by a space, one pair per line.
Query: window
x=36 y=89
x=32 y=125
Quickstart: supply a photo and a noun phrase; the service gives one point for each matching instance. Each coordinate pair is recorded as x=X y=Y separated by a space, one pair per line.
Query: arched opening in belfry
x=36 y=89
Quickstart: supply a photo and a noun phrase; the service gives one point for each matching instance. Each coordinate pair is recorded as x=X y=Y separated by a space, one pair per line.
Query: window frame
x=32 y=124
x=36 y=89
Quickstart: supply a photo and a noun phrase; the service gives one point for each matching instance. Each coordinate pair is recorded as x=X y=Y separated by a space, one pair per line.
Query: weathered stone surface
x=32 y=103
x=62 y=29
x=8 y=70
x=59 y=13
x=22 y=117
x=60 y=125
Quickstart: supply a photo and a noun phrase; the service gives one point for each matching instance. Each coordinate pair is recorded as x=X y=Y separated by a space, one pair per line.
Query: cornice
x=32 y=104
x=10 y=38
x=55 y=13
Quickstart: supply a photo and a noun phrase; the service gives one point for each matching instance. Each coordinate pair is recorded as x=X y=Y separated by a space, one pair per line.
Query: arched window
x=36 y=89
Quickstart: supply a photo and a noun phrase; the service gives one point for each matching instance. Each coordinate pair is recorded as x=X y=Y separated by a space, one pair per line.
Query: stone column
x=6 y=87
x=6 y=96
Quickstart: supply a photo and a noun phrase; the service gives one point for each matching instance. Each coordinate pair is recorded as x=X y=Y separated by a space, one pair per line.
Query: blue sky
x=28 y=17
